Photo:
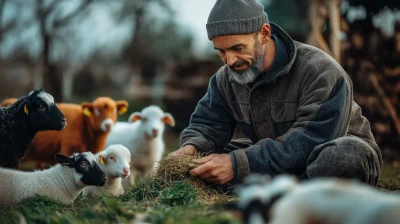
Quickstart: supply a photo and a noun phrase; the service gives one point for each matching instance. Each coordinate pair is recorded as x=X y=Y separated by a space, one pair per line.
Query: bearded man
x=293 y=102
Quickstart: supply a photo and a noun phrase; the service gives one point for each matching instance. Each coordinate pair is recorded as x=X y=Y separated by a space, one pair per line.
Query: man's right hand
x=186 y=150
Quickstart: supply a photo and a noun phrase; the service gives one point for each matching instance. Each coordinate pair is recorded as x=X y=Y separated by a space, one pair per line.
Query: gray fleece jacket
x=305 y=102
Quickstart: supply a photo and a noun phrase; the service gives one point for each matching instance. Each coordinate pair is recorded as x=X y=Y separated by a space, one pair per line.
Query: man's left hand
x=214 y=168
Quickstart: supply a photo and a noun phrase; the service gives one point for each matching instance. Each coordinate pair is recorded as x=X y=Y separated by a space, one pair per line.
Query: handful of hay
x=173 y=169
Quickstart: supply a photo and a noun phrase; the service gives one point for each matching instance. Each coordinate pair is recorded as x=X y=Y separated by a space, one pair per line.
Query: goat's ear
x=64 y=160
x=101 y=160
x=122 y=106
x=25 y=105
x=168 y=119
x=134 y=117
x=87 y=108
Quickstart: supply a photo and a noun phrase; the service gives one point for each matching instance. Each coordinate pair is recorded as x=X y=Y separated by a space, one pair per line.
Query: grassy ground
x=150 y=201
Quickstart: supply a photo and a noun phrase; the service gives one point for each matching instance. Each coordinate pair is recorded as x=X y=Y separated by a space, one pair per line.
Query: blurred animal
x=335 y=201
x=258 y=194
x=8 y=101
x=62 y=182
x=142 y=135
x=22 y=120
x=89 y=126
x=115 y=161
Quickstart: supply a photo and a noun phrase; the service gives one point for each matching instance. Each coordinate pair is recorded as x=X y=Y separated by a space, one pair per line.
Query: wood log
x=386 y=101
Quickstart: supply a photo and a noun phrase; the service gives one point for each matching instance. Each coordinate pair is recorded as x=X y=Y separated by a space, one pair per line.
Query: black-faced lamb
x=115 y=161
x=143 y=136
x=20 y=121
x=62 y=182
x=258 y=194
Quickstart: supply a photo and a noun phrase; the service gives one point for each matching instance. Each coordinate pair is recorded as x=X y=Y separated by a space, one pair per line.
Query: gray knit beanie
x=231 y=17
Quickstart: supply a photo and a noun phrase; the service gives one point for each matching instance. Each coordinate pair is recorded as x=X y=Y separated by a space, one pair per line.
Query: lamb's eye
x=113 y=158
x=42 y=108
x=144 y=119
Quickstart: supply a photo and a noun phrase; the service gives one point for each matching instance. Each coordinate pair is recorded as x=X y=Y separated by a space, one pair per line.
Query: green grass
x=154 y=201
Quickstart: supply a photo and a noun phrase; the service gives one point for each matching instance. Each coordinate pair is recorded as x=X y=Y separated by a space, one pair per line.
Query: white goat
x=336 y=201
x=142 y=135
x=61 y=182
x=115 y=161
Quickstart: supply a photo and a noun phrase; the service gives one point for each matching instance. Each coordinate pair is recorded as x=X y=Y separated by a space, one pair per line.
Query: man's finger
x=206 y=175
x=204 y=159
x=211 y=180
x=200 y=170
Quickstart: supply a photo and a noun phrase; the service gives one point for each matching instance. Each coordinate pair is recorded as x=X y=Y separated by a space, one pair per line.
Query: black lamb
x=20 y=121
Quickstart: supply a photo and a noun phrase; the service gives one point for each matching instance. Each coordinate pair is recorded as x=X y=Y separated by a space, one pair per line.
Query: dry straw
x=173 y=169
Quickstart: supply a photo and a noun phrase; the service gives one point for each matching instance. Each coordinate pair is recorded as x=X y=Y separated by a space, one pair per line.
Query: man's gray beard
x=251 y=74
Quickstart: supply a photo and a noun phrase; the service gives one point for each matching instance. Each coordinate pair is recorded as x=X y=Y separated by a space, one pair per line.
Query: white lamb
x=115 y=161
x=62 y=182
x=335 y=201
x=142 y=135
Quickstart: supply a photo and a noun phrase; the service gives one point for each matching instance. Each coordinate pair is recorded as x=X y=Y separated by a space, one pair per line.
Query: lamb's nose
x=155 y=132
x=126 y=171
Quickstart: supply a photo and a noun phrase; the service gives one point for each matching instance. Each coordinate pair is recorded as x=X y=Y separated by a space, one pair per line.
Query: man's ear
x=168 y=119
x=265 y=32
x=101 y=160
x=122 y=106
x=87 y=108
x=25 y=105
x=134 y=117
x=65 y=160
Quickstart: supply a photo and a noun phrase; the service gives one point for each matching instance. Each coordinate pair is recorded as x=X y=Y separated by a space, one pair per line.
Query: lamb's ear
x=25 y=105
x=122 y=106
x=64 y=160
x=101 y=160
x=168 y=119
x=87 y=108
x=134 y=117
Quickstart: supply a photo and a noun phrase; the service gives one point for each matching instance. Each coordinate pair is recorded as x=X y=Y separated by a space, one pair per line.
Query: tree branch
x=62 y=22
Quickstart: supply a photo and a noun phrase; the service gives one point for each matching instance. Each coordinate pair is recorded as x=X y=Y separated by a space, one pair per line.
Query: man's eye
x=238 y=48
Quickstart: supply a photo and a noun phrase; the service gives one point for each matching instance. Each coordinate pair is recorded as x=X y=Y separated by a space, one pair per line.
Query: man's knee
x=346 y=157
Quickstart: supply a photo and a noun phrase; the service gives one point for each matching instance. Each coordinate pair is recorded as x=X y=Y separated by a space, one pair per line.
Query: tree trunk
x=51 y=77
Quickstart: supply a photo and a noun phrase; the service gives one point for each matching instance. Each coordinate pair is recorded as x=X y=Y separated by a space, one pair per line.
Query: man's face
x=243 y=54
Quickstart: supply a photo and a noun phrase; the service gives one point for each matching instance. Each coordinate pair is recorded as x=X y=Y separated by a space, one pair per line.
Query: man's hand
x=186 y=150
x=215 y=168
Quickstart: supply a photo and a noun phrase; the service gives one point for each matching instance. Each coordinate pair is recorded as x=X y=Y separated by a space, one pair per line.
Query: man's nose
x=230 y=59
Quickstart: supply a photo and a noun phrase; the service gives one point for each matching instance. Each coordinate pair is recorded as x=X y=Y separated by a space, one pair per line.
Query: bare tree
x=50 y=22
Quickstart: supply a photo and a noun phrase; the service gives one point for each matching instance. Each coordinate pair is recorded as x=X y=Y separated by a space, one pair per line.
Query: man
x=293 y=101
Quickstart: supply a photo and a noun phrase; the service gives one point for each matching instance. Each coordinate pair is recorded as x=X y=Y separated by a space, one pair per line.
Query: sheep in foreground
x=62 y=182
x=335 y=201
x=115 y=161
x=258 y=193
x=22 y=120
x=142 y=135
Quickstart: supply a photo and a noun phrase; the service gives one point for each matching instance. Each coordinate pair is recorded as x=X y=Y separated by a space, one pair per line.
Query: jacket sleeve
x=212 y=124
x=322 y=115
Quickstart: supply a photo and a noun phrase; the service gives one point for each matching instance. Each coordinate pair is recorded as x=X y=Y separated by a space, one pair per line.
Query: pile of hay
x=177 y=168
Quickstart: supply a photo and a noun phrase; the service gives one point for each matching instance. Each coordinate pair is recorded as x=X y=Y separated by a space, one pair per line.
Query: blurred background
x=157 y=52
